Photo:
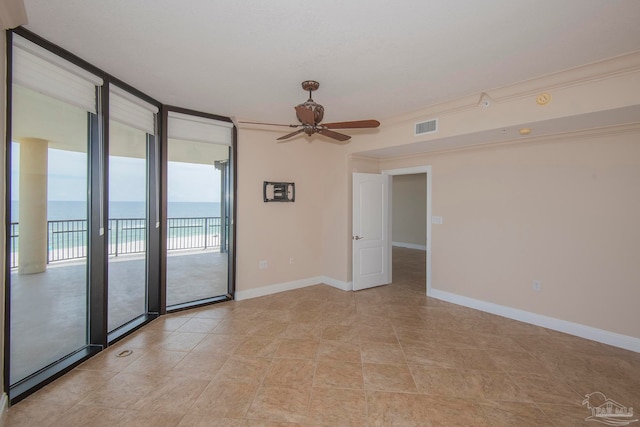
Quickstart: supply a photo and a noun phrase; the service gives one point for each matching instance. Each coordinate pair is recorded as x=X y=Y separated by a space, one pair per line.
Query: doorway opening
x=410 y=225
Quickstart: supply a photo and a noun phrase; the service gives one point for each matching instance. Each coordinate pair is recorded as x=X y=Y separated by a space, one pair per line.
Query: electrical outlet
x=537 y=286
x=263 y=264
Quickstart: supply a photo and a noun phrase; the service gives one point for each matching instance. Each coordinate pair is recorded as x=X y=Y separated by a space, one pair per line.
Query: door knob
x=357 y=237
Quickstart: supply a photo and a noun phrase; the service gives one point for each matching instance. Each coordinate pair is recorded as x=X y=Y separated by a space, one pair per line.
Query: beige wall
x=561 y=210
x=409 y=209
x=275 y=232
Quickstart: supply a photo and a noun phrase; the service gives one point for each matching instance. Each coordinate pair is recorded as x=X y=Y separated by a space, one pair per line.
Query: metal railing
x=67 y=239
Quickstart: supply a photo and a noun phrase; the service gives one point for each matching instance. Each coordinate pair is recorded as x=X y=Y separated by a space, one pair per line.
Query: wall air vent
x=426 y=127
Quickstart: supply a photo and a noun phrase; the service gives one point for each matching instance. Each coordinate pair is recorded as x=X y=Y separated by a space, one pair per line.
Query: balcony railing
x=67 y=239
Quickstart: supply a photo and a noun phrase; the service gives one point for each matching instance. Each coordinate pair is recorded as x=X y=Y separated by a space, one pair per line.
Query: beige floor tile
x=566 y=415
x=496 y=342
x=414 y=336
x=181 y=341
x=222 y=343
x=303 y=331
x=221 y=399
x=453 y=411
x=271 y=328
x=368 y=334
x=517 y=362
x=169 y=322
x=339 y=351
x=82 y=416
x=144 y=338
x=235 y=326
x=515 y=414
x=266 y=423
x=445 y=382
x=123 y=391
x=155 y=362
x=546 y=389
x=280 y=404
x=199 y=365
x=306 y=317
x=338 y=375
x=297 y=349
x=396 y=409
x=346 y=333
x=244 y=369
x=376 y=352
x=427 y=354
x=497 y=386
x=175 y=395
x=199 y=325
x=258 y=346
x=199 y=420
x=216 y=311
x=472 y=359
x=109 y=360
x=150 y=418
x=388 y=377
x=290 y=373
x=271 y=314
x=30 y=412
x=337 y=407
x=72 y=387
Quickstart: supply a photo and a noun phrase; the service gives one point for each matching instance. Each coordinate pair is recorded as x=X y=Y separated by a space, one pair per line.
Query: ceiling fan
x=310 y=115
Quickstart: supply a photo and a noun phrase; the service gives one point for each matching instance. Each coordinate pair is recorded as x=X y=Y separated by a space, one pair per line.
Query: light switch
x=436 y=220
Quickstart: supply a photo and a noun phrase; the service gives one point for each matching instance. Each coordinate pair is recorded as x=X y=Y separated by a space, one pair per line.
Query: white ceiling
x=374 y=59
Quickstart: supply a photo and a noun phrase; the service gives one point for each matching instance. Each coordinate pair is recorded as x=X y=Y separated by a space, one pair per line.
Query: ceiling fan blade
x=289 y=135
x=306 y=115
x=352 y=125
x=334 y=135
x=268 y=124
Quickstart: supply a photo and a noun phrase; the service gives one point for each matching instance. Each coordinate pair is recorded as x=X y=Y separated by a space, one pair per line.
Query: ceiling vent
x=429 y=126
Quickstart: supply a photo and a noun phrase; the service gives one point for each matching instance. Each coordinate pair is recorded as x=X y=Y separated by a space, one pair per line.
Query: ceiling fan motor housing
x=318 y=111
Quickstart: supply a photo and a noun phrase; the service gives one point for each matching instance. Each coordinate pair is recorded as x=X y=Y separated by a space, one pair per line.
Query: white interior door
x=370 y=230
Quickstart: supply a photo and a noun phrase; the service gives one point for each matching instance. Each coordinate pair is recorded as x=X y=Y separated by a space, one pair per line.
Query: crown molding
x=588 y=73
x=563 y=136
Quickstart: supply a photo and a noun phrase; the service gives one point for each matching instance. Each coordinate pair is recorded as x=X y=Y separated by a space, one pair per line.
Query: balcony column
x=32 y=217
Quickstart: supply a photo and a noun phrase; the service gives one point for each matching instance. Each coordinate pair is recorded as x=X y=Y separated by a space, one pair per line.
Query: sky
x=67 y=181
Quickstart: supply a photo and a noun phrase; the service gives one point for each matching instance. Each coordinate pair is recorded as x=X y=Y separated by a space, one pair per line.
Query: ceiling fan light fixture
x=310 y=115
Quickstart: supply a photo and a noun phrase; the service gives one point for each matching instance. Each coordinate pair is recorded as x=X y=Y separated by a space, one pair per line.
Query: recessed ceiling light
x=525 y=131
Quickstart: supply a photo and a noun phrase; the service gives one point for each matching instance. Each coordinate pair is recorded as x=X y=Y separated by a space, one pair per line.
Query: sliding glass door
x=131 y=139
x=198 y=208
x=54 y=114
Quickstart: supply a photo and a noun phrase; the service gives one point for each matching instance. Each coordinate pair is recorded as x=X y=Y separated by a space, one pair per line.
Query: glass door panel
x=127 y=230
x=48 y=257
x=197 y=256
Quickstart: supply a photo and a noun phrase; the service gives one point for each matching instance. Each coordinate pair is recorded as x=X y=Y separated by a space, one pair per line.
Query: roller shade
x=131 y=110
x=194 y=128
x=42 y=71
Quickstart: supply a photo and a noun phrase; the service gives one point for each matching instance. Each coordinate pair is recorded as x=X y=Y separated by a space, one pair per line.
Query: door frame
x=411 y=171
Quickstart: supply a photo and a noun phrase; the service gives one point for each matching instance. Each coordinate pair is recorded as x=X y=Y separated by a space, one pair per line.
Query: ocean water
x=60 y=210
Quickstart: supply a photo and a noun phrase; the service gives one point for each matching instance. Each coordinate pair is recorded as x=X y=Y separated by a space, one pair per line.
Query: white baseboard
x=409 y=245
x=583 y=331
x=344 y=286
x=4 y=407
x=288 y=286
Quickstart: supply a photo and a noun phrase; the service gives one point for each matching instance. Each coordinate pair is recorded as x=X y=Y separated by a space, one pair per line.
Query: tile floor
x=318 y=356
